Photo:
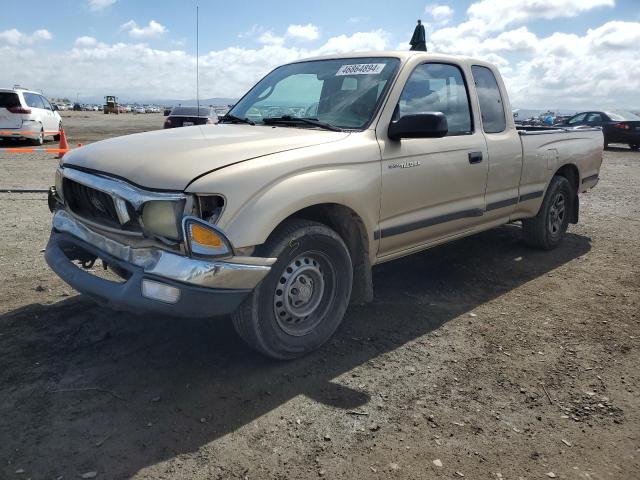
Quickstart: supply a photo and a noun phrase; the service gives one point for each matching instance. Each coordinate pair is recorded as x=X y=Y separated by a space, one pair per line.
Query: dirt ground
x=481 y=358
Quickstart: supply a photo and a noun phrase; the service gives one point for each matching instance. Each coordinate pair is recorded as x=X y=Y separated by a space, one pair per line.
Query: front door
x=433 y=188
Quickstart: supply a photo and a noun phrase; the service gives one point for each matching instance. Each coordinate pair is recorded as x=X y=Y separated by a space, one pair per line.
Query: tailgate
x=9 y=120
x=187 y=121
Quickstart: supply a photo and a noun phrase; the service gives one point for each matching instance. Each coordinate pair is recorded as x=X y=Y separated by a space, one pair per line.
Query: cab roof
x=402 y=55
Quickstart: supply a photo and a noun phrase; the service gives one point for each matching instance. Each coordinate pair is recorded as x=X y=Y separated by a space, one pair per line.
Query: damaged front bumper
x=153 y=279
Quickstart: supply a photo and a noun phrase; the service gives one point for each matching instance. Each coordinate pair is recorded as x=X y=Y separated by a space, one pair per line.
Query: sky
x=571 y=54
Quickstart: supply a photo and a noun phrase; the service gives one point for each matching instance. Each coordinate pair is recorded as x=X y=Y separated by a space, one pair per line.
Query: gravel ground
x=479 y=358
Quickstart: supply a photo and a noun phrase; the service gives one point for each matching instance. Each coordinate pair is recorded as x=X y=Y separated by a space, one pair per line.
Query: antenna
x=197 y=61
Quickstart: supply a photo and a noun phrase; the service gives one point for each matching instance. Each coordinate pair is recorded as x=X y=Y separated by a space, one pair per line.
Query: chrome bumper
x=230 y=273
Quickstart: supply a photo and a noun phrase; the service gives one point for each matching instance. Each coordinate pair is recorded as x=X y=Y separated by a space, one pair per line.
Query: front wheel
x=57 y=136
x=546 y=230
x=302 y=301
x=635 y=147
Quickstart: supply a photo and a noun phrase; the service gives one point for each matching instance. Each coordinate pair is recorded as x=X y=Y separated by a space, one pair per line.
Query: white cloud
x=97 y=5
x=154 y=29
x=138 y=71
x=440 y=13
x=497 y=14
x=85 y=41
x=41 y=34
x=360 y=41
x=16 y=37
x=559 y=70
x=303 y=32
x=269 y=38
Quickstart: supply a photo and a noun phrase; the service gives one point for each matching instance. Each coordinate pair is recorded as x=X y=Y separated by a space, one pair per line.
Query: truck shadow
x=100 y=390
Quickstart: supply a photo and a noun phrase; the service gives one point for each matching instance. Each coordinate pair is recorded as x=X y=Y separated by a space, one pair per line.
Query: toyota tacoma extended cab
x=326 y=167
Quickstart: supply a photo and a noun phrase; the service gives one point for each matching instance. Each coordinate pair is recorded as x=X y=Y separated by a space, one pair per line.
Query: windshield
x=342 y=93
x=621 y=115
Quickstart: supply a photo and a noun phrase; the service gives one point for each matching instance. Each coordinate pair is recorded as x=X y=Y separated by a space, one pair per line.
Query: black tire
x=284 y=322
x=40 y=140
x=635 y=147
x=56 y=138
x=546 y=230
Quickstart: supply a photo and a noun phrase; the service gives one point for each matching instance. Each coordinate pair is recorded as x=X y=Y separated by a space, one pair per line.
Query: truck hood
x=170 y=159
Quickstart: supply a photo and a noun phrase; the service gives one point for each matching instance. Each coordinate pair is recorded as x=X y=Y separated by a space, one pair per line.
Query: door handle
x=475 y=157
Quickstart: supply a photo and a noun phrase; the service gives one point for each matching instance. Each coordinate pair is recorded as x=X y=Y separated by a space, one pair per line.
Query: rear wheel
x=302 y=301
x=40 y=139
x=546 y=230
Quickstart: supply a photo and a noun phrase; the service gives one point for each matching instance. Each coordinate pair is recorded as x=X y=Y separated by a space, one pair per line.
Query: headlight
x=204 y=239
x=161 y=217
x=58 y=184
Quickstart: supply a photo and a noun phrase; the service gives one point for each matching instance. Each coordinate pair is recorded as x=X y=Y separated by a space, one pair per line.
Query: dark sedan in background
x=187 y=116
x=618 y=126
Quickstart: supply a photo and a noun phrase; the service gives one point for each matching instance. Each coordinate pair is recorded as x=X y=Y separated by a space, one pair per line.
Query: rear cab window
x=9 y=100
x=492 y=111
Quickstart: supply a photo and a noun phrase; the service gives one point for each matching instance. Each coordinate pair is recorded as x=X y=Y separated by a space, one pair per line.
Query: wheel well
x=571 y=173
x=348 y=224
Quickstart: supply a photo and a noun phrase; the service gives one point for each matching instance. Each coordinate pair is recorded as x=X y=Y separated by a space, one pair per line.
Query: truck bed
x=555 y=146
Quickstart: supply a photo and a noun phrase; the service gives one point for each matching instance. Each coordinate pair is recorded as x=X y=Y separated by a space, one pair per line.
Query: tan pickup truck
x=326 y=167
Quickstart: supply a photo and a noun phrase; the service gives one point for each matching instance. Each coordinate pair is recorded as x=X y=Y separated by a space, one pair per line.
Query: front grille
x=96 y=206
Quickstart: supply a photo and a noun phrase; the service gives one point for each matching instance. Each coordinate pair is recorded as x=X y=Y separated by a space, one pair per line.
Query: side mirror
x=54 y=107
x=419 y=125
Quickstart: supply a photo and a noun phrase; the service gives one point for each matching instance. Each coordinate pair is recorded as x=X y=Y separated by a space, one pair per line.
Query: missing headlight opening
x=210 y=207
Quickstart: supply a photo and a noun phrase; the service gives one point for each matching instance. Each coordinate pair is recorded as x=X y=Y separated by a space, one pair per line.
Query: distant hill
x=162 y=101
x=203 y=101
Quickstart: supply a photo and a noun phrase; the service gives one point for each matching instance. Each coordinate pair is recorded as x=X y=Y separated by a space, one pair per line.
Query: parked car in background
x=77 y=107
x=139 y=109
x=187 y=116
x=560 y=119
x=618 y=126
x=23 y=111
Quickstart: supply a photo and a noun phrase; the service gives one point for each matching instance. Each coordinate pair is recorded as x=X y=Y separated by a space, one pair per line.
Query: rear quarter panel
x=545 y=153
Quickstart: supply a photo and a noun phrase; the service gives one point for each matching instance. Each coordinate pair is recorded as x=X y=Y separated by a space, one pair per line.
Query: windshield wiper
x=288 y=119
x=234 y=119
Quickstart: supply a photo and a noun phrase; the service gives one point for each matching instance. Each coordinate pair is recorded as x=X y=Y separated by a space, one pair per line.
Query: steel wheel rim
x=557 y=214
x=299 y=298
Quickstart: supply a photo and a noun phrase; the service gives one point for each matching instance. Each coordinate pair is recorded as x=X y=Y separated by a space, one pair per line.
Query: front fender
x=263 y=192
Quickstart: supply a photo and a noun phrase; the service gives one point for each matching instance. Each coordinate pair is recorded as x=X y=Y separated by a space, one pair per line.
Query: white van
x=27 y=114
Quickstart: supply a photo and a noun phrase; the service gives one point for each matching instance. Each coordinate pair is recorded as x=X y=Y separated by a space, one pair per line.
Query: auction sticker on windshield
x=361 y=69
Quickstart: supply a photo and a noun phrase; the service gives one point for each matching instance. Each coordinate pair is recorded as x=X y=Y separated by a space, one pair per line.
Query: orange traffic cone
x=63 y=144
